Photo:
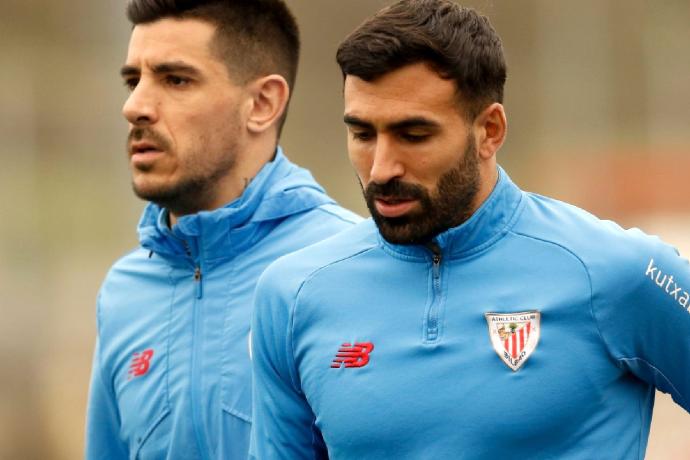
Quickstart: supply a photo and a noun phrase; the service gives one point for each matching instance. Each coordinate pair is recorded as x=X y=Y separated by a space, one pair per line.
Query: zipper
x=196 y=364
x=195 y=377
x=197 y=270
x=431 y=332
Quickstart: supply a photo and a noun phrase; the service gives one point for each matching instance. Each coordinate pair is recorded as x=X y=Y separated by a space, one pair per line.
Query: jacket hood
x=279 y=190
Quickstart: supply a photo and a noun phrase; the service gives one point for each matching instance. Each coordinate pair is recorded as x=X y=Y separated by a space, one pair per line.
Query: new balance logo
x=356 y=355
x=140 y=363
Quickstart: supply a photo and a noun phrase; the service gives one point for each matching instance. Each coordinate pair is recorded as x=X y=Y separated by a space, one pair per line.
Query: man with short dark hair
x=209 y=84
x=469 y=319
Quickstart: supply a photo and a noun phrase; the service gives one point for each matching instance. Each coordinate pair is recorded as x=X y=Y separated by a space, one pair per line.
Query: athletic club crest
x=514 y=336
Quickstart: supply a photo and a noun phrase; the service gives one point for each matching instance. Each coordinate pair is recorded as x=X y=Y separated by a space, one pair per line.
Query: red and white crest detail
x=514 y=336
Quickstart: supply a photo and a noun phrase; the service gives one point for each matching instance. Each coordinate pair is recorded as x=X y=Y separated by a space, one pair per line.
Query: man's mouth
x=143 y=147
x=143 y=155
x=392 y=207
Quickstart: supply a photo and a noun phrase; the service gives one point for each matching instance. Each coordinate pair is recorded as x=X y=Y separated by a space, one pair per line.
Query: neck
x=231 y=186
x=489 y=178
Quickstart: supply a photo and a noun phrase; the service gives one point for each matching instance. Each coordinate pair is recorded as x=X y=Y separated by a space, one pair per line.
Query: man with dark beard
x=209 y=84
x=469 y=320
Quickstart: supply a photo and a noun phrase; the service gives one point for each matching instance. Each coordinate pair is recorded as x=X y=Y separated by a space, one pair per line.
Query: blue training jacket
x=532 y=331
x=171 y=372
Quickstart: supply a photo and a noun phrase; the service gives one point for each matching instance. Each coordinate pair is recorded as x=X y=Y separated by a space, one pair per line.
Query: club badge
x=514 y=336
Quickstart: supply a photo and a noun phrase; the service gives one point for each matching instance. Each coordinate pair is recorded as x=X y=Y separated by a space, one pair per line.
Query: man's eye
x=174 y=80
x=361 y=135
x=414 y=137
x=131 y=83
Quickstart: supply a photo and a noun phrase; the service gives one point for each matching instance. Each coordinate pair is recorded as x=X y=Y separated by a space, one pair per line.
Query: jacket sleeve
x=283 y=424
x=102 y=418
x=644 y=316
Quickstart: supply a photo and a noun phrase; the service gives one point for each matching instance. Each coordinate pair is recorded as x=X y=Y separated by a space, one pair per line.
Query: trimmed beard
x=188 y=196
x=450 y=205
x=193 y=191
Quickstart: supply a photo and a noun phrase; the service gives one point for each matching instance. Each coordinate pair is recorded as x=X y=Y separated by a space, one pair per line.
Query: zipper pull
x=437 y=265
x=436 y=257
x=197 y=280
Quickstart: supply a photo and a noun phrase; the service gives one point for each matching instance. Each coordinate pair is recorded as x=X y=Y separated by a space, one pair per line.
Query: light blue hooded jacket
x=171 y=372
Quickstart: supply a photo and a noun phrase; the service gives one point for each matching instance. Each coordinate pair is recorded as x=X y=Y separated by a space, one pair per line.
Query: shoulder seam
x=589 y=280
x=336 y=215
x=651 y=366
x=293 y=309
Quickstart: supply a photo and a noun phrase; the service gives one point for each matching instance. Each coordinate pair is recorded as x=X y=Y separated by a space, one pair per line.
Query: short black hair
x=457 y=42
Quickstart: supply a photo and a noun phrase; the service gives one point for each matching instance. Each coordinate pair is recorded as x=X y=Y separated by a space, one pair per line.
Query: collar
x=488 y=224
x=280 y=189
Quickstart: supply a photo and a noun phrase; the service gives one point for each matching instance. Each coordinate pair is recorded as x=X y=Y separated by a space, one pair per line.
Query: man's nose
x=387 y=164
x=141 y=105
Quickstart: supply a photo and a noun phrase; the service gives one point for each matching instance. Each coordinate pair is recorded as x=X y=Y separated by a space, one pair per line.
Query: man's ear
x=491 y=128
x=270 y=95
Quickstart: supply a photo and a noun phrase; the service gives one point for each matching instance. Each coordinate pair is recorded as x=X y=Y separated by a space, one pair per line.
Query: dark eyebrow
x=129 y=71
x=172 y=67
x=162 y=68
x=414 y=122
x=354 y=121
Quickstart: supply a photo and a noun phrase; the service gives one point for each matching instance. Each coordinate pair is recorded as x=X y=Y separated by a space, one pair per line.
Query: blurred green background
x=598 y=105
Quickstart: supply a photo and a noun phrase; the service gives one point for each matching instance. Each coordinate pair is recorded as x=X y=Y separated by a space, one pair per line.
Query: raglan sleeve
x=102 y=418
x=283 y=422
x=644 y=316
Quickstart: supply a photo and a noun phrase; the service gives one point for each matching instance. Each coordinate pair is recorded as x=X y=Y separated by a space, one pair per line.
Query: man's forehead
x=413 y=91
x=170 y=39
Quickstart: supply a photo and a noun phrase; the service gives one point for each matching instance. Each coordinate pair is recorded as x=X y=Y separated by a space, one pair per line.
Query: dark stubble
x=193 y=190
x=448 y=207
